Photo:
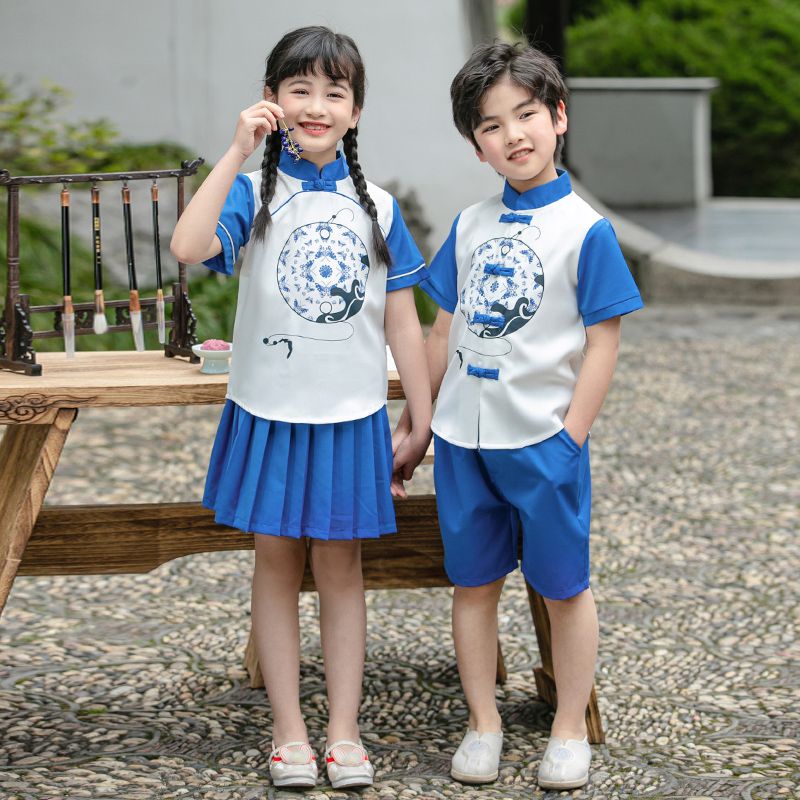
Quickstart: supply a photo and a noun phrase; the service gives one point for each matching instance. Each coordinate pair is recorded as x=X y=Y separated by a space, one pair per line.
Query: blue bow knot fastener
x=319 y=185
x=524 y=219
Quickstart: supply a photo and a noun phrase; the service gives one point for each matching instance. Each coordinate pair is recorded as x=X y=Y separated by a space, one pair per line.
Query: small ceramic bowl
x=215 y=362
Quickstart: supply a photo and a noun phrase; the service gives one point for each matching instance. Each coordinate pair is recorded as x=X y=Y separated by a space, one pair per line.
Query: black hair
x=489 y=63
x=313 y=50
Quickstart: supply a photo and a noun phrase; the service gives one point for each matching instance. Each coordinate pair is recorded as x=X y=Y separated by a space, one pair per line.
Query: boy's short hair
x=527 y=67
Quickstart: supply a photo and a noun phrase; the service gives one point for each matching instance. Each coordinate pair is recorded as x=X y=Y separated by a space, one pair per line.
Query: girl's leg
x=280 y=562
x=343 y=631
x=574 y=630
x=475 y=637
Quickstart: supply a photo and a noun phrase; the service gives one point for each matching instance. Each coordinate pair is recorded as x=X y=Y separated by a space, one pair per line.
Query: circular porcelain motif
x=503 y=289
x=322 y=272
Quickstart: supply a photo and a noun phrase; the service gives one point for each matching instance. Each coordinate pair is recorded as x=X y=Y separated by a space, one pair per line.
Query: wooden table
x=102 y=539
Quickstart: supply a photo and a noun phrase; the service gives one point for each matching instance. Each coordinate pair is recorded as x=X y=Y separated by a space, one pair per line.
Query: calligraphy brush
x=100 y=323
x=160 y=315
x=135 y=307
x=68 y=314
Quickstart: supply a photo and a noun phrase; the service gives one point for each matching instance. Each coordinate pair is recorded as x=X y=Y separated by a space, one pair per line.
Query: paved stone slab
x=132 y=687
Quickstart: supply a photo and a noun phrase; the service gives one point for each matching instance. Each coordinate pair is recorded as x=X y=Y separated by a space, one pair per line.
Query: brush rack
x=16 y=332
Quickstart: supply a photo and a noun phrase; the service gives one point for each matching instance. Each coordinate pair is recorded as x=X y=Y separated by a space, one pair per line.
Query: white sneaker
x=348 y=764
x=293 y=764
x=477 y=759
x=565 y=764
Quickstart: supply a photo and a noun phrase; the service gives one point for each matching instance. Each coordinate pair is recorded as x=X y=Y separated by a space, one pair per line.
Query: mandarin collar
x=303 y=170
x=539 y=196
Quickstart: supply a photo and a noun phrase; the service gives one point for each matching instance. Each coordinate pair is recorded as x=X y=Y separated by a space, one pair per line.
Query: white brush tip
x=100 y=323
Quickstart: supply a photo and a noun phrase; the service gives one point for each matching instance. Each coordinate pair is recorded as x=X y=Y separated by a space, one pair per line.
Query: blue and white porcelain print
x=322 y=272
x=504 y=287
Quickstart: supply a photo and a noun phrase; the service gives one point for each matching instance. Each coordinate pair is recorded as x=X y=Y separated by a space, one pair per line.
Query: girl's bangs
x=328 y=59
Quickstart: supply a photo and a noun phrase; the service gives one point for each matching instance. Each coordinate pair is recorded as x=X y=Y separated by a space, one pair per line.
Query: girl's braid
x=269 y=174
x=367 y=203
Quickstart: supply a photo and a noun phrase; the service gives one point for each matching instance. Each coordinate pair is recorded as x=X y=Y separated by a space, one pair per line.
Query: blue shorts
x=485 y=496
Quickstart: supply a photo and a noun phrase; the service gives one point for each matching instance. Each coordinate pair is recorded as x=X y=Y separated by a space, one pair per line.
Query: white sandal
x=293 y=764
x=348 y=764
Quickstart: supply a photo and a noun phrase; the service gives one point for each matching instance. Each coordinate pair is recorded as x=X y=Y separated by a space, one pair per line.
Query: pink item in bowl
x=215 y=344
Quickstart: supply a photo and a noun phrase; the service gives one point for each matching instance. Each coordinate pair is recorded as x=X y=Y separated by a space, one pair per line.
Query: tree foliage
x=752 y=48
x=754 y=51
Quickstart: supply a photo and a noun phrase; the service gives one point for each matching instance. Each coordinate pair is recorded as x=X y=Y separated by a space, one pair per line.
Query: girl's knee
x=279 y=553
x=336 y=561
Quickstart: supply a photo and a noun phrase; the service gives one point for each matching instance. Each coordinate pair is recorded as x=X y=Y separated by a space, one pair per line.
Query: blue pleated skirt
x=328 y=481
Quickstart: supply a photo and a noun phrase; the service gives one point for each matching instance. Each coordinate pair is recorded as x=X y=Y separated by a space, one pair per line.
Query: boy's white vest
x=517 y=338
x=308 y=342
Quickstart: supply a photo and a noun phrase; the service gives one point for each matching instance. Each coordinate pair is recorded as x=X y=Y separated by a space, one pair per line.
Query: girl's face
x=320 y=110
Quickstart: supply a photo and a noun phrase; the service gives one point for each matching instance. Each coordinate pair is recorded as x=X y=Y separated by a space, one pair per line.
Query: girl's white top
x=308 y=341
x=523 y=276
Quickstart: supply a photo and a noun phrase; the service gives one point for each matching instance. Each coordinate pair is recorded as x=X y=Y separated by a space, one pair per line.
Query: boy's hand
x=407 y=456
x=579 y=437
x=400 y=434
x=254 y=124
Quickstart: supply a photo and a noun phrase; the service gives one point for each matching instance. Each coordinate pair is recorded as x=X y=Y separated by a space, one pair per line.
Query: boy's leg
x=480 y=548
x=475 y=638
x=550 y=483
x=574 y=634
x=343 y=629
x=279 y=566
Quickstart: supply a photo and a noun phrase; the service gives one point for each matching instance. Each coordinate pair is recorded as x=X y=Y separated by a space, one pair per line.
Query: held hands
x=254 y=124
x=409 y=449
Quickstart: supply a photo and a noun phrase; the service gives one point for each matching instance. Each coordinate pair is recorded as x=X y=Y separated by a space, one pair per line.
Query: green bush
x=752 y=48
x=34 y=141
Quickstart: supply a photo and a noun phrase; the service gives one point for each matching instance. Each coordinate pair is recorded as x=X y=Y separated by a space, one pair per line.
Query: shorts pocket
x=569 y=440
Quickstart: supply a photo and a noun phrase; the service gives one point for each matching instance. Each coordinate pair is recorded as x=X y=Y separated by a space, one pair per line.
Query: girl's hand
x=407 y=457
x=254 y=124
x=398 y=436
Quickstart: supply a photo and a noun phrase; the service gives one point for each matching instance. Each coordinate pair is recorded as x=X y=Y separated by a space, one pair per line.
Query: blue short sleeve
x=408 y=265
x=606 y=287
x=235 y=222
x=441 y=283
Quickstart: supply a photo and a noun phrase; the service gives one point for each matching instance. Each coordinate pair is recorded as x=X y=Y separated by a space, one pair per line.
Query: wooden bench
x=102 y=539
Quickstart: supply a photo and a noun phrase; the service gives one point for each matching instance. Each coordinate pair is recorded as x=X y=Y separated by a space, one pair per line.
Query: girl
x=303 y=453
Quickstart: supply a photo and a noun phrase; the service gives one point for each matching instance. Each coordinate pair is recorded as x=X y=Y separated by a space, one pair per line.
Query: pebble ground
x=132 y=687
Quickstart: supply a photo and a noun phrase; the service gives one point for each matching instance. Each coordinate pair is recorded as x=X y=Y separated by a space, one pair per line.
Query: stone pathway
x=132 y=687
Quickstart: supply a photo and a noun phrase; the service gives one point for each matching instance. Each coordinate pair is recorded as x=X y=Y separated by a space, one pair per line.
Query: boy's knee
x=487 y=592
x=567 y=602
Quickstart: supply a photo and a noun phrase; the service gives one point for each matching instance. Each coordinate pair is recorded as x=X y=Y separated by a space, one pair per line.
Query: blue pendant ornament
x=288 y=145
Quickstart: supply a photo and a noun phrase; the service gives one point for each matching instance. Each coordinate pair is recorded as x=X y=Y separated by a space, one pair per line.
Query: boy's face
x=517 y=136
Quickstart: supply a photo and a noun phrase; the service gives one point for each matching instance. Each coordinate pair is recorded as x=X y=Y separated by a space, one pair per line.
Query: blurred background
x=682 y=113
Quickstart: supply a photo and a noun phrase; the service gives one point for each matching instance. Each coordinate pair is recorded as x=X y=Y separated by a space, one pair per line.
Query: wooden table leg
x=28 y=457
x=252 y=665
x=545 y=680
x=502 y=673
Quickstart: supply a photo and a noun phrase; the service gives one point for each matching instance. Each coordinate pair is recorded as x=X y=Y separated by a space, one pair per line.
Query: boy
x=531 y=285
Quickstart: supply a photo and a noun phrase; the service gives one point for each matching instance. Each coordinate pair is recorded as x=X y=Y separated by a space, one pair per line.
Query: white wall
x=182 y=70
